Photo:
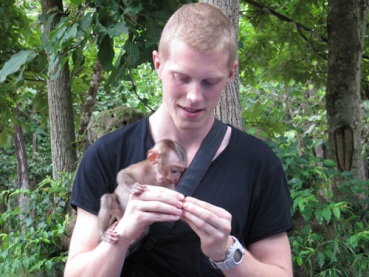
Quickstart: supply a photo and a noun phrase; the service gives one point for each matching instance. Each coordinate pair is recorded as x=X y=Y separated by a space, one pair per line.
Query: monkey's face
x=169 y=176
x=169 y=171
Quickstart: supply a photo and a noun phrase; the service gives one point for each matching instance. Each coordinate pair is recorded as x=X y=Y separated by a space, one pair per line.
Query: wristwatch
x=234 y=256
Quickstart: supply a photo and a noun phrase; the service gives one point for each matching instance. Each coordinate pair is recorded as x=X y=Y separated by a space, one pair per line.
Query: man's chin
x=188 y=124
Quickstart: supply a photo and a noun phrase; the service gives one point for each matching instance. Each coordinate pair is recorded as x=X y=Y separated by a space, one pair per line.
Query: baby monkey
x=163 y=166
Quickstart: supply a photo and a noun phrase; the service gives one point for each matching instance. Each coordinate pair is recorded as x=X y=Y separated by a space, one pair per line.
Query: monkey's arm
x=129 y=181
x=110 y=210
x=110 y=234
x=113 y=205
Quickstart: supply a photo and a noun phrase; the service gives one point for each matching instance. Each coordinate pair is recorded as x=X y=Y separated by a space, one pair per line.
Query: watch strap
x=230 y=262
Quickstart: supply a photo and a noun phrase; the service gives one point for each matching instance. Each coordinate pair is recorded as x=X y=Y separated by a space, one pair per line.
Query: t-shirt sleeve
x=94 y=178
x=271 y=207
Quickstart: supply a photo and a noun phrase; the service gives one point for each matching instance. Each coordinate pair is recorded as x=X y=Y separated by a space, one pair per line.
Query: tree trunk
x=62 y=133
x=22 y=170
x=90 y=102
x=346 y=29
x=229 y=107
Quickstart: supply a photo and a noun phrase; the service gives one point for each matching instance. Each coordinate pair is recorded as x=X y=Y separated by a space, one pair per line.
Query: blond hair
x=202 y=26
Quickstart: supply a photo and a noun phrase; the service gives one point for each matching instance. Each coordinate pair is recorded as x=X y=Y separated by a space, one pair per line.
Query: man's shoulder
x=130 y=140
x=250 y=145
x=134 y=130
x=243 y=138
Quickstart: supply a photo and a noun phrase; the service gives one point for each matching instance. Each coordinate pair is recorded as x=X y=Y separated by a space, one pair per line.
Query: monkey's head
x=169 y=161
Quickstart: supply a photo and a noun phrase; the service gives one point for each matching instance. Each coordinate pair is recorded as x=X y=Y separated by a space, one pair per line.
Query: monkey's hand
x=110 y=234
x=137 y=188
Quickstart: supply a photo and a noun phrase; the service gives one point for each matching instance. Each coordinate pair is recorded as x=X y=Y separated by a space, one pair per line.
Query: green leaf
x=54 y=67
x=79 y=85
x=70 y=33
x=133 y=52
x=354 y=240
x=77 y=2
x=153 y=31
x=78 y=60
x=86 y=21
x=299 y=261
x=251 y=131
x=337 y=212
x=118 y=29
x=327 y=214
x=131 y=9
x=106 y=53
x=329 y=163
x=321 y=259
x=15 y=62
x=319 y=215
x=48 y=265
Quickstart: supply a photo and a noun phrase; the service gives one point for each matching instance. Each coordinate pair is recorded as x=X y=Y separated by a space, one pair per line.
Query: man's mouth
x=189 y=110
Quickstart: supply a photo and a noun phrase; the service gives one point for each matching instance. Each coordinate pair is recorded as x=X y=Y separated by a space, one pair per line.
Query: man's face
x=192 y=83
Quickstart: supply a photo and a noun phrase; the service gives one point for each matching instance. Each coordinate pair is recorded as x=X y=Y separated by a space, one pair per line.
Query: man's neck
x=163 y=127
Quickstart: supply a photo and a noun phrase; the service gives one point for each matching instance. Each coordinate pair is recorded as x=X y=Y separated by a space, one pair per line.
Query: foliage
x=331 y=237
x=37 y=147
x=39 y=248
x=284 y=41
x=140 y=90
x=125 y=33
x=282 y=71
x=121 y=34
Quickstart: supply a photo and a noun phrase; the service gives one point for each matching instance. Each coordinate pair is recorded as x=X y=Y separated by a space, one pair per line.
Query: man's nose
x=194 y=93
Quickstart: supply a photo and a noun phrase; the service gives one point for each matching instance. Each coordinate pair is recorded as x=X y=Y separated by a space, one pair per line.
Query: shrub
x=34 y=242
x=331 y=236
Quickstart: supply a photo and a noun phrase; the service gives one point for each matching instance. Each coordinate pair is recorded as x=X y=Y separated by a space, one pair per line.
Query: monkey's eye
x=176 y=170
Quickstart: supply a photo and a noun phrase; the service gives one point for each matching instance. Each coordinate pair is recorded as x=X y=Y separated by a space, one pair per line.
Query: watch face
x=237 y=256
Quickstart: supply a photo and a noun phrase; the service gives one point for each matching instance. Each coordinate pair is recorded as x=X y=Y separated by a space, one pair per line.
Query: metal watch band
x=230 y=262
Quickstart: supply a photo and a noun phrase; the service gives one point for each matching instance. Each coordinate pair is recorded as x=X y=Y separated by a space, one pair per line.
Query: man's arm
x=268 y=257
x=88 y=258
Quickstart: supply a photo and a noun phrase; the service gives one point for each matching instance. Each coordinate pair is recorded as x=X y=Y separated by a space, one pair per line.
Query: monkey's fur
x=163 y=166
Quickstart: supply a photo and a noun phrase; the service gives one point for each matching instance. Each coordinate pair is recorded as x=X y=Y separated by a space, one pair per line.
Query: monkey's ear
x=152 y=156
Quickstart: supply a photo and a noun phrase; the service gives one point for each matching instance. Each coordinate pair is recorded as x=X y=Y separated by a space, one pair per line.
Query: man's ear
x=157 y=63
x=152 y=156
x=233 y=70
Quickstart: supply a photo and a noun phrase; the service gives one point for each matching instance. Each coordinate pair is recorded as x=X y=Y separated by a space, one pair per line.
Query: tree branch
x=297 y=25
x=282 y=17
x=134 y=89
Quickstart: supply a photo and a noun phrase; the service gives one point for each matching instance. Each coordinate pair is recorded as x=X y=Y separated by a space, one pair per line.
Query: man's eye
x=209 y=83
x=181 y=78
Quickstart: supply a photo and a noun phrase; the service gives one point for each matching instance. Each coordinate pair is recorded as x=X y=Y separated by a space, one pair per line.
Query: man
x=236 y=221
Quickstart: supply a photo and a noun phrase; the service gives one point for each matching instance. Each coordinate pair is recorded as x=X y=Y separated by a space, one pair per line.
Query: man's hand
x=154 y=204
x=212 y=224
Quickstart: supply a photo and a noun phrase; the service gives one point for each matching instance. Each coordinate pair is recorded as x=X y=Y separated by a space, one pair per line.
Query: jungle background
x=71 y=70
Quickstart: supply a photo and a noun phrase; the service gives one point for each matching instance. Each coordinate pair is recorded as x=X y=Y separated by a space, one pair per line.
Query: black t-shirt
x=246 y=179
